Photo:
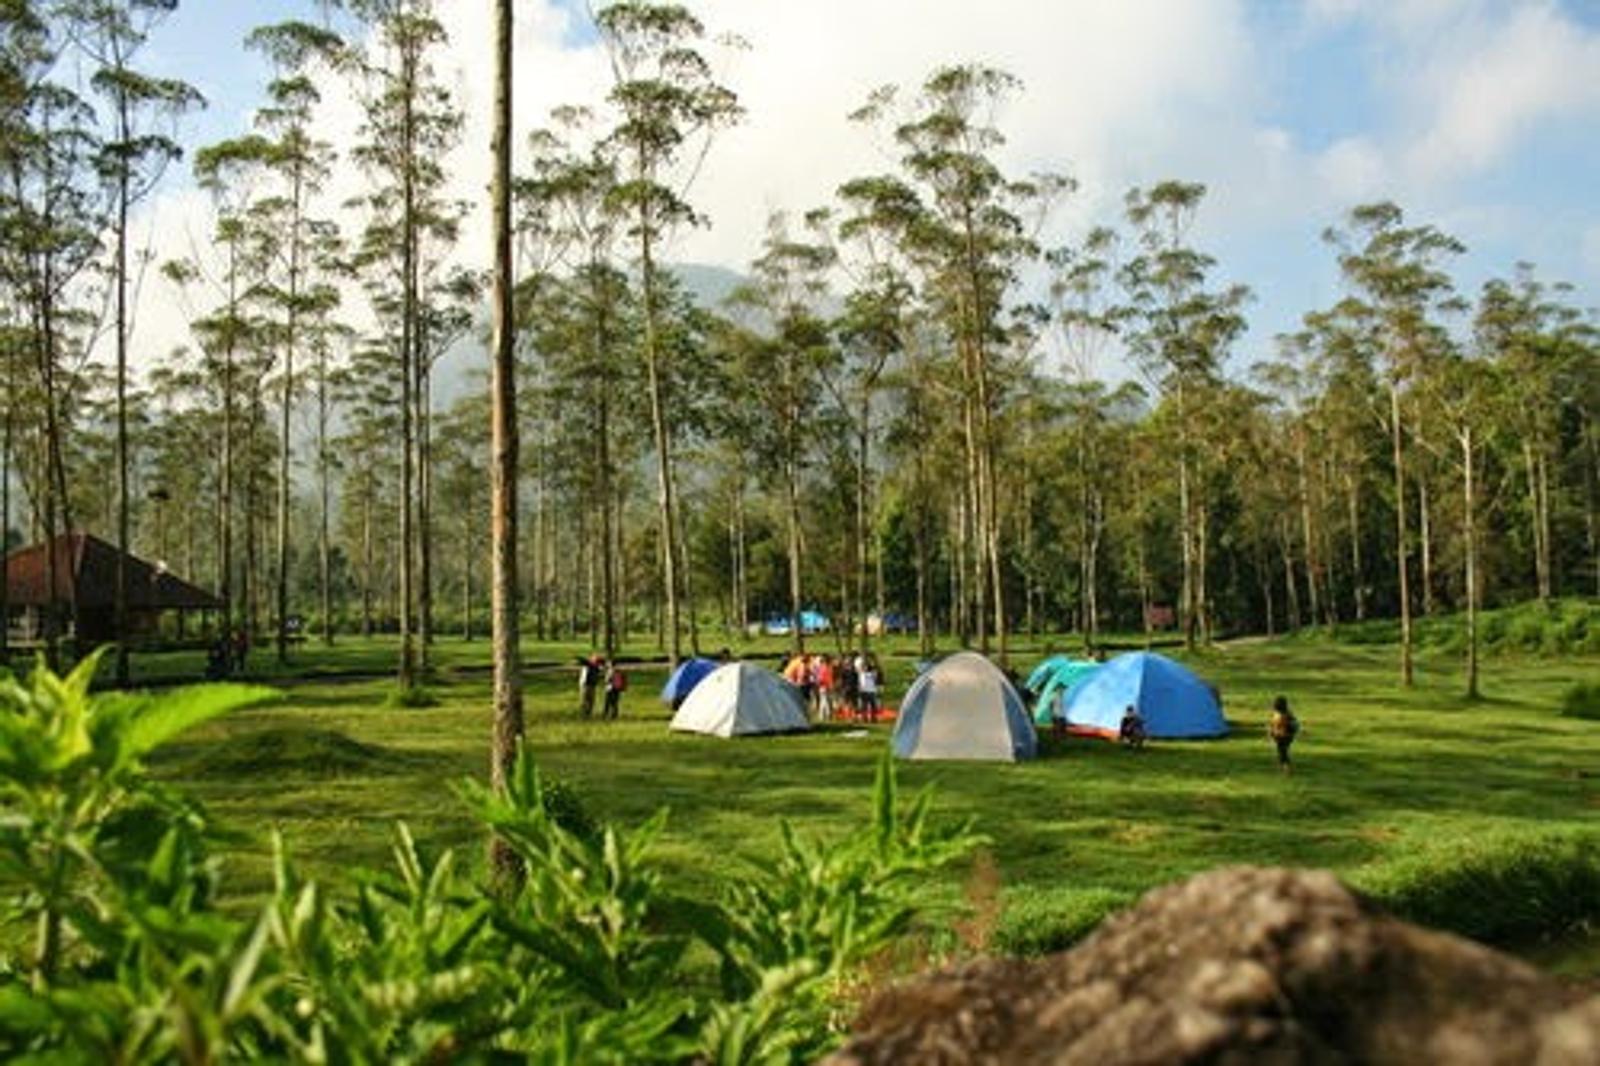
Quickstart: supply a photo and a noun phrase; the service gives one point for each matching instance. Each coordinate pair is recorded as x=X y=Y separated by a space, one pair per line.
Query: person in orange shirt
x=824 y=681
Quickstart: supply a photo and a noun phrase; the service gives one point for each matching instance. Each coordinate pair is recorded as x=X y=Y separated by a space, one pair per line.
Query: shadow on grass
x=291 y=751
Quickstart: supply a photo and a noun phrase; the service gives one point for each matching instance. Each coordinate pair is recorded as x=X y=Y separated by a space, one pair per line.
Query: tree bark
x=120 y=594
x=1470 y=535
x=508 y=722
x=325 y=504
x=665 y=493
x=285 y=442
x=1402 y=573
x=407 y=675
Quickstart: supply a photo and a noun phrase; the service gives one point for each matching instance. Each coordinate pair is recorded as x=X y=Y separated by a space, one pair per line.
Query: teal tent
x=1053 y=691
x=1043 y=672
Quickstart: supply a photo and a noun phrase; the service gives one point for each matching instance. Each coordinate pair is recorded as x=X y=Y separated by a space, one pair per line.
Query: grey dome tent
x=741 y=699
x=964 y=708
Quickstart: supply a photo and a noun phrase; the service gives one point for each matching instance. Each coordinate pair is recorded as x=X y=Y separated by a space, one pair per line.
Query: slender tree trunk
x=366 y=552
x=508 y=725
x=1291 y=583
x=1313 y=570
x=1401 y=569
x=409 y=364
x=863 y=442
x=286 y=442
x=7 y=421
x=324 y=492
x=1470 y=536
x=1591 y=510
x=666 y=496
x=791 y=485
x=1358 y=576
x=1186 y=547
x=120 y=594
x=1549 y=577
x=424 y=499
x=608 y=563
x=1202 y=574
x=921 y=534
x=252 y=501
x=467 y=553
x=1264 y=584
x=1425 y=539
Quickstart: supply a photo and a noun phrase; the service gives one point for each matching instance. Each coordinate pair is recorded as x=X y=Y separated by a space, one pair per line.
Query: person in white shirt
x=869 y=691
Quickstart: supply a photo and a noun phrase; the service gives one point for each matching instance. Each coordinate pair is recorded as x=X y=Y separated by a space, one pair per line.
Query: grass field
x=1431 y=802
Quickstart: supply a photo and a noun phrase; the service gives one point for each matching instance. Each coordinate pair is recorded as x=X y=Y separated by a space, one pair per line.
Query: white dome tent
x=741 y=699
x=964 y=708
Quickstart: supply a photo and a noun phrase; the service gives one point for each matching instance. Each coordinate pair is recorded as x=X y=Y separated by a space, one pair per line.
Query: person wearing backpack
x=616 y=685
x=1283 y=727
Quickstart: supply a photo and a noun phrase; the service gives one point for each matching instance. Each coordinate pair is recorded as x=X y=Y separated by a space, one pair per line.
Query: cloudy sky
x=1476 y=115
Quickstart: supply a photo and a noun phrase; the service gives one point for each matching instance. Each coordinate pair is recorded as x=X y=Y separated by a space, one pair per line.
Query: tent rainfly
x=689 y=673
x=741 y=699
x=1174 y=703
x=964 y=708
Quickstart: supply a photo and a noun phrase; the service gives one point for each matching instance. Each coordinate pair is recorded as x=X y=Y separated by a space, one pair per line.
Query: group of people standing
x=838 y=686
x=225 y=657
x=596 y=673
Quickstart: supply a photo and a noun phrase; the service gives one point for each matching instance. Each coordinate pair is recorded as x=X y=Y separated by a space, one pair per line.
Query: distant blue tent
x=689 y=673
x=1174 y=703
x=782 y=625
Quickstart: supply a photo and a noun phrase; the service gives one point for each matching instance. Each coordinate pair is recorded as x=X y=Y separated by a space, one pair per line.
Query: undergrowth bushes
x=1562 y=627
x=1505 y=890
x=1582 y=700
x=593 y=958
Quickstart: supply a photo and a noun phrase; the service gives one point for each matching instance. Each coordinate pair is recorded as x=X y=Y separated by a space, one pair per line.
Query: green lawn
x=1382 y=777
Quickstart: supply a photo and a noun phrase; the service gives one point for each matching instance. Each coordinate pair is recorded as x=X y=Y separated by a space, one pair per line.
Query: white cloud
x=1353 y=169
x=1496 y=81
x=1115 y=94
x=1591 y=254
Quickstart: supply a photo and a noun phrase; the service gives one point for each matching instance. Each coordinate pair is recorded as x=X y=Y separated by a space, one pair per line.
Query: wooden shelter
x=84 y=598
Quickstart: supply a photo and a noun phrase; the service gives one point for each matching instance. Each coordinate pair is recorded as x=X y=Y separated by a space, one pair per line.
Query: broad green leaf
x=171 y=713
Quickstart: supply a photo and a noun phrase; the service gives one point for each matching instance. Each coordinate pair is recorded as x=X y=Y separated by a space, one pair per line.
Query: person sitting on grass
x=1283 y=727
x=1131 y=732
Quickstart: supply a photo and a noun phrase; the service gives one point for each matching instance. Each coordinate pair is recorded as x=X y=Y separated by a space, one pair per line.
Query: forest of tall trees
x=921 y=399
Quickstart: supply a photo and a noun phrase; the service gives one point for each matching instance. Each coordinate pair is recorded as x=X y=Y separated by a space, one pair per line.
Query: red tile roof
x=90 y=564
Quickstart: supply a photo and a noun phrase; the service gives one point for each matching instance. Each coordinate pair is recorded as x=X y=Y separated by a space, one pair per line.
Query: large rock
x=1240 y=965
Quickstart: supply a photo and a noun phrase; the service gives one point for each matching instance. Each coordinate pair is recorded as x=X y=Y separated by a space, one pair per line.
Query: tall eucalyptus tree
x=132 y=159
x=1395 y=270
x=668 y=105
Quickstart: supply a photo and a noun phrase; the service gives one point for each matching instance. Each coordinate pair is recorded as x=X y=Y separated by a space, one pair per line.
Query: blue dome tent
x=1175 y=704
x=689 y=673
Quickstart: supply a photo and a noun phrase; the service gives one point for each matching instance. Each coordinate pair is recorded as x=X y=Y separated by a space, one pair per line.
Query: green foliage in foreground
x=593 y=958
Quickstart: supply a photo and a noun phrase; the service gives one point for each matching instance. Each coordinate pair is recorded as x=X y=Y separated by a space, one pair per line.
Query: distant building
x=86 y=590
